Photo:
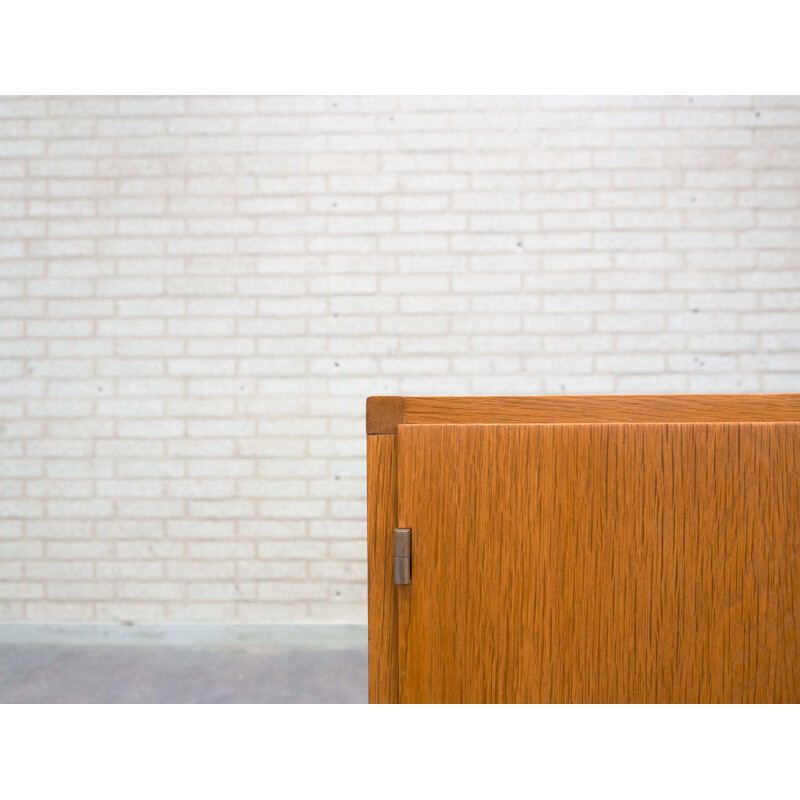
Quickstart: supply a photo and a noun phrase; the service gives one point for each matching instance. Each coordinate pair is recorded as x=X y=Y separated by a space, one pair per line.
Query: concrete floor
x=88 y=674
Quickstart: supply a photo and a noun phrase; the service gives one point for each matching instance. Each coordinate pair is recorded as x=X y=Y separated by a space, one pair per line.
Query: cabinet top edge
x=385 y=413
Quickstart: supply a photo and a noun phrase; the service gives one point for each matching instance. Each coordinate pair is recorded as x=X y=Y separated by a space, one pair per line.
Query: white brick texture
x=198 y=293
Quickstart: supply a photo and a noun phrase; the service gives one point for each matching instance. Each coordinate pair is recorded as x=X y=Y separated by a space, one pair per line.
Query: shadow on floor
x=55 y=674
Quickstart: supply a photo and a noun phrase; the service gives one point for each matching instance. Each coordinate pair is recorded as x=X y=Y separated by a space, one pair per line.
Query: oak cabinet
x=584 y=549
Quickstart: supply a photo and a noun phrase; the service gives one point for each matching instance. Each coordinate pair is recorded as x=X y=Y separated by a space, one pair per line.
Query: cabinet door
x=600 y=563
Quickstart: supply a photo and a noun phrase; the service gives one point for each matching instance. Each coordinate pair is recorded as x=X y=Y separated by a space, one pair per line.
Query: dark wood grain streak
x=601 y=563
x=382 y=602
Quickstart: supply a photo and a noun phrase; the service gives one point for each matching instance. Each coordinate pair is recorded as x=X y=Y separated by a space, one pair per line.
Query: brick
x=79 y=550
x=21 y=590
x=221 y=591
x=292 y=550
x=203 y=570
x=200 y=529
x=149 y=590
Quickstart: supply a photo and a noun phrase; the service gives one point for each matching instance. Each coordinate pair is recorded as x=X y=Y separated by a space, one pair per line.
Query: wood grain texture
x=384 y=414
x=601 y=563
x=382 y=602
x=612 y=408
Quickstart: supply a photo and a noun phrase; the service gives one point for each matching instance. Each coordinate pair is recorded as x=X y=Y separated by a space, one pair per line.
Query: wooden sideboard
x=614 y=549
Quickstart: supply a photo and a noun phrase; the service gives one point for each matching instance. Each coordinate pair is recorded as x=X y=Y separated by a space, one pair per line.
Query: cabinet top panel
x=384 y=414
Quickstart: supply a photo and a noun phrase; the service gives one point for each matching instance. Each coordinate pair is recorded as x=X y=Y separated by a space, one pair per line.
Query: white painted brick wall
x=198 y=293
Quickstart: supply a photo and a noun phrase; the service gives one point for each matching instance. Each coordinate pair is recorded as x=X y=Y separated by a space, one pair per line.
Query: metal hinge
x=402 y=556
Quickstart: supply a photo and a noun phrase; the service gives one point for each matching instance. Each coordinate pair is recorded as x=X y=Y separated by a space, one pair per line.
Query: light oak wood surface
x=599 y=562
x=384 y=414
x=382 y=600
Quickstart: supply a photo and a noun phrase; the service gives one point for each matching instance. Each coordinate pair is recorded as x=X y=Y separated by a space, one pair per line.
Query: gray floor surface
x=85 y=674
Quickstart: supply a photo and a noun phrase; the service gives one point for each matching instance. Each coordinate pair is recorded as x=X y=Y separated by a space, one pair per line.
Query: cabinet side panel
x=381 y=521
